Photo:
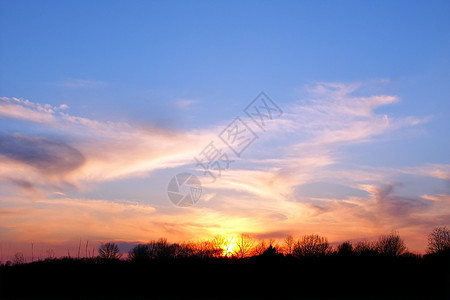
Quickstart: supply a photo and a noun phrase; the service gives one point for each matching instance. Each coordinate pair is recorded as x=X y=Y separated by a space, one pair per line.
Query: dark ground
x=254 y=278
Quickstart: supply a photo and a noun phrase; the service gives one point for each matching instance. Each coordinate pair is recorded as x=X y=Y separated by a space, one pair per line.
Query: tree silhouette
x=207 y=249
x=187 y=249
x=289 y=244
x=109 y=251
x=218 y=244
x=311 y=245
x=391 y=245
x=244 y=245
x=180 y=250
x=365 y=248
x=345 y=249
x=439 y=241
x=160 y=249
x=270 y=251
x=260 y=247
x=139 y=253
x=19 y=258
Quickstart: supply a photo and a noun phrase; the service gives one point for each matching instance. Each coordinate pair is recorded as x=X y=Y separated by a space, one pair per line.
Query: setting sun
x=229 y=246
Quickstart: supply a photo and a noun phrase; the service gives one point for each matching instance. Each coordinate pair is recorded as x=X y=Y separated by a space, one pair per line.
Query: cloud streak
x=25 y=110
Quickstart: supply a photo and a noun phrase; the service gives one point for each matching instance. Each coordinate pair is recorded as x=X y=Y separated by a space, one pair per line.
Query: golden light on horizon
x=229 y=246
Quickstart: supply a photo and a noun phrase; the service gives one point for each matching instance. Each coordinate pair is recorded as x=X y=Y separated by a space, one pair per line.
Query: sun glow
x=229 y=246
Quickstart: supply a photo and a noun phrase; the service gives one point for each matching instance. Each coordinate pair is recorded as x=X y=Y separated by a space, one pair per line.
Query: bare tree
x=219 y=242
x=201 y=249
x=109 y=251
x=180 y=250
x=365 y=248
x=160 y=249
x=311 y=245
x=19 y=258
x=260 y=247
x=207 y=249
x=187 y=249
x=289 y=244
x=244 y=245
x=391 y=244
x=439 y=240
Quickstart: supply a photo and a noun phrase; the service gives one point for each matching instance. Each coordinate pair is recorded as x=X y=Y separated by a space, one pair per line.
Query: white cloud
x=25 y=110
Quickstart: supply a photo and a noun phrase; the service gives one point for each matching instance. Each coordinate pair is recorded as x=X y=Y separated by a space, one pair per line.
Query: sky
x=103 y=103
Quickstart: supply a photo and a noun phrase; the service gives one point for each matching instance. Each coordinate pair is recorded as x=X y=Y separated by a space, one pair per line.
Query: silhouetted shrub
x=109 y=251
x=346 y=248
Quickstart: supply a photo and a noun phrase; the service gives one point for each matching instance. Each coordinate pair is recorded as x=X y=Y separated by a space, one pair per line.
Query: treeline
x=242 y=268
x=313 y=245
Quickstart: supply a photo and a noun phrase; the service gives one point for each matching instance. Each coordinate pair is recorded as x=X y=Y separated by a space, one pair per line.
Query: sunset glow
x=229 y=247
x=131 y=122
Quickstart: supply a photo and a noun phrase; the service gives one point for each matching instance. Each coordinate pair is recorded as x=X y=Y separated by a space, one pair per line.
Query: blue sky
x=103 y=102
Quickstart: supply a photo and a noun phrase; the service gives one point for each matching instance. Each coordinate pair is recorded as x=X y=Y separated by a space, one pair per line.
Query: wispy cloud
x=185 y=103
x=90 y=151
x=317 y=128
x=440 y=171
x=25 y=110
